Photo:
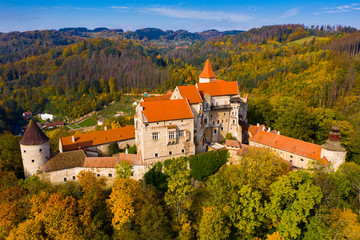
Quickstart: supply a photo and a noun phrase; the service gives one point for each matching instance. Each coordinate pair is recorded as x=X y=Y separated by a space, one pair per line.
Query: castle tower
x=35 y=149
x=332 y=149
x=207 y=75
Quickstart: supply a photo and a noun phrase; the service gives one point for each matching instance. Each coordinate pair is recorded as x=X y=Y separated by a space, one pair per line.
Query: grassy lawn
x=124 y=105
x=74 y=126
x=306 y=39
x=91 y=121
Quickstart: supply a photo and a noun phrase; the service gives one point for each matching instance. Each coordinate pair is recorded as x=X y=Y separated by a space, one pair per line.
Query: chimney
x=141 y=108
x=258 y=125
x=126 y=150
x=105 y=128
x=269 y=129
x=278 y=132
x=263 y=128
x=73 y=138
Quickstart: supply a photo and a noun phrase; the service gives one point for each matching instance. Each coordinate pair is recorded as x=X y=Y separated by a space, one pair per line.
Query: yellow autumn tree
x=125 y=193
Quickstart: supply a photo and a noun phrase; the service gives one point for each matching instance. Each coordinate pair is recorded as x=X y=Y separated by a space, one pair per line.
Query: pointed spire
x=207 y=71
x=33 y=135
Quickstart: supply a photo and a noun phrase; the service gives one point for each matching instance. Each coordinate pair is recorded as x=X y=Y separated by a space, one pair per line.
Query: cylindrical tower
x=35 y=149
x=332 y=149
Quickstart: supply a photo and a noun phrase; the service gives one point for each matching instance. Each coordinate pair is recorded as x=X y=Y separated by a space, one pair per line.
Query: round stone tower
x=332 y=149
x=35 y=149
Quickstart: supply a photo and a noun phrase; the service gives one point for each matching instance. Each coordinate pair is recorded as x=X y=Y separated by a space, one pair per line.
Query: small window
x=290 y=160
x=215 y=131
x=205 y=120
x=73 y=177
x=234 y=121
x=291 y=156
x=171 y=135
x=218 y=121
x=40 y=150
x=155 y=136
x=32 y=160
x=65 y=179
x=181 y=134
x=213 y=122
x=156 y=155
x=222 y=128
x=211 y=116
x=224 y=114
x=183 y=150
x=24 y=151
x=157 y=123
x=170 y=152
x=302 y=159
x=98 y=175
x=110 y=175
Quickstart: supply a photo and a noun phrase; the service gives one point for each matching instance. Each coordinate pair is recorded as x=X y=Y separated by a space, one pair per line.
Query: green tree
x=213 y=224
x=124 y=169
x=10 y=156
x=294 y=198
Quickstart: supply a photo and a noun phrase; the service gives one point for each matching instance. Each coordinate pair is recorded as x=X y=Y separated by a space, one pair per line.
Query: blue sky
x=24 y=15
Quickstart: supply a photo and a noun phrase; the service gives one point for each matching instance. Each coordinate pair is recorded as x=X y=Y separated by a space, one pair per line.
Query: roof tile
x=191 y=93
x=218 y=88
x=207 y=72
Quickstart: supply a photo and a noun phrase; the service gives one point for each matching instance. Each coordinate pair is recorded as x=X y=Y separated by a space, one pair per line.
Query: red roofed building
x=301 y=153
x=99 y=141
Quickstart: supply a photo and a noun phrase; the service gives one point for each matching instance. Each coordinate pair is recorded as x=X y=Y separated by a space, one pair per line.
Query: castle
x=181 y=123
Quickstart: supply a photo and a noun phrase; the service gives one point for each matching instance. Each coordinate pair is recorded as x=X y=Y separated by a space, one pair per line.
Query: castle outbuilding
x=35 y=149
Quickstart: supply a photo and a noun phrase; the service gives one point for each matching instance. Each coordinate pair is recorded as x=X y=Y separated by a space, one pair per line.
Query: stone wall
x=33 y=157
x=336 y=158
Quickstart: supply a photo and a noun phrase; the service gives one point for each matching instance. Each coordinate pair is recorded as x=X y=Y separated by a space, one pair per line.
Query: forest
x=300 y=81
x=258 y=198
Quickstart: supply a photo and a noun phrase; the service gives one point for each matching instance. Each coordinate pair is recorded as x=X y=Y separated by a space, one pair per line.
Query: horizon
x=199 y=16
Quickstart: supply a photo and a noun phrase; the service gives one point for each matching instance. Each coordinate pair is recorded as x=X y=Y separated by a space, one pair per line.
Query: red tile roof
x=191 y=93
x=111 y=162
x=253 y=129
x=98 y=138
x=157 y=98
x=232 y=143
x=288 y=144
x=207 y=72
x=218 y=88
x=33 y=135
x=166 y=110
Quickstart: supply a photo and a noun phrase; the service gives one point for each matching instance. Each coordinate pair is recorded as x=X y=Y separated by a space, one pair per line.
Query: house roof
x=111 y=162
x=218 y=88
x=253 y=129
x=288 y=144
x=33 y=135
x=232 y=143
x=65 y=160
x=97 y=138
x=166 y=110
x=157 y=98
x=191 y=93
x=207 y=72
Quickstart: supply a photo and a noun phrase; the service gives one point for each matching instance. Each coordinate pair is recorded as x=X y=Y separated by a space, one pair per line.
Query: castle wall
x=65 y=175
x=336 y=158
x=296 y=160
x=33 y=157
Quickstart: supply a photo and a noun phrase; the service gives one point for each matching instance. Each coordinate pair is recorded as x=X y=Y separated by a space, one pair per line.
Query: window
x=224 y=114
x=290 y=160
x=181 y=134
x=155 y=136
x=24 y=151
x=73 y=177
x=213 y=122
x=40 y=150
x=156 y=155
x=110 y=175
x=183 y=150
x=205 y=120
x=98 y=175
x=211 y=116
x=65 y=179
x=234 y=121
x=218 y=121
x=222 y=128
x=170 y=152
x=215 y=131
x=171 y=135
x=302 y=159
x=291 y=156
x=32 y=160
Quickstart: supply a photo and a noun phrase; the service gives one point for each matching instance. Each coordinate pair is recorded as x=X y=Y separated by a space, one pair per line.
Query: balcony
x=218 y=107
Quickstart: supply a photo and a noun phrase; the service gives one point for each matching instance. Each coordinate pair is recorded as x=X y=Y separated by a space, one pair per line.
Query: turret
x=207 y=75
x=35 y=149
x=332 y=149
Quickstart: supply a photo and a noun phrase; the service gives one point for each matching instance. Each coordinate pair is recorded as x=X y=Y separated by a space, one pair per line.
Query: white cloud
x=290 y=13
x=343 y=7
x=196 y=14
x=119 y=7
